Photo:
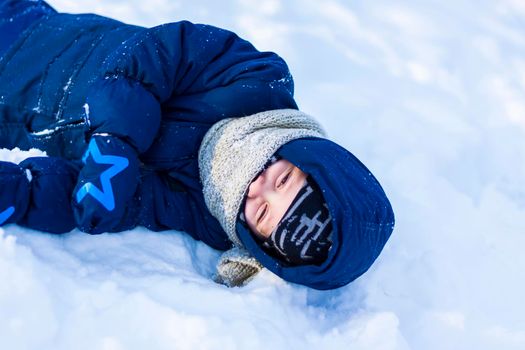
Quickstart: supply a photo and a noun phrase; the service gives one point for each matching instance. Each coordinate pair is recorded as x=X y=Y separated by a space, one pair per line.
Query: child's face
x=270 y=195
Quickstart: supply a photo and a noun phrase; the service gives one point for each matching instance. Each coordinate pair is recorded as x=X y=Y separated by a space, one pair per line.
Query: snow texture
x=430 y=95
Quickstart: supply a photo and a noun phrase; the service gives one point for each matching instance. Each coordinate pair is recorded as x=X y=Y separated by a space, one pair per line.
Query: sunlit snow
x=430 y=95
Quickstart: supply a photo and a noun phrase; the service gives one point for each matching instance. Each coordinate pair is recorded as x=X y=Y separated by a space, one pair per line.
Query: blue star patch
x=104 y=196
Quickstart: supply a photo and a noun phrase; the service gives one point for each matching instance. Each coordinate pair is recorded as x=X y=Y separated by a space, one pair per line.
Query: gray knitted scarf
x=235 y=150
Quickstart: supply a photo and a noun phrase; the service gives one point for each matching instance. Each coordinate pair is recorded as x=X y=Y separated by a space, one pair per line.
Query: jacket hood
x=362 y=216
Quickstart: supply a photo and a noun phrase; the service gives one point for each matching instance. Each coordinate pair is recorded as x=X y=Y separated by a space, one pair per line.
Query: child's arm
x=115 y=194
x=42 y=193
x=218 y=74
x=215 y=73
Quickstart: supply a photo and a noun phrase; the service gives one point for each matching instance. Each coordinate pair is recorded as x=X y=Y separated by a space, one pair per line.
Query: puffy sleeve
x=219 y=74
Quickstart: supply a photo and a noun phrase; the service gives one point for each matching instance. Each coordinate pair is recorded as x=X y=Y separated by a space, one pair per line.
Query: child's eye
x=262 y=213
x=283 y=181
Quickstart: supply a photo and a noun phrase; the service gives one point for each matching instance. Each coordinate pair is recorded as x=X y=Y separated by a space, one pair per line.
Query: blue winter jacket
x=121 y=111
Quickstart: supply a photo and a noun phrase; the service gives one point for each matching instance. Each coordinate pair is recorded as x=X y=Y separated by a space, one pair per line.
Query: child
x=180 y=126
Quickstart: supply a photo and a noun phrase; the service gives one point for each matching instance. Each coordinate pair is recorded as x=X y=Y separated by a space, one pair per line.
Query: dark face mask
x=304 y=234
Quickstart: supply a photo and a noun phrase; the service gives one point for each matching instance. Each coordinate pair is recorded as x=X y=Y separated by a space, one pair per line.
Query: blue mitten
x=14 y=192
x=52 y=182
x=106 y=186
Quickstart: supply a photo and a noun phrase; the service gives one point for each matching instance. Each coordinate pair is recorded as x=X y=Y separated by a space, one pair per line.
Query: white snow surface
x=430 y=95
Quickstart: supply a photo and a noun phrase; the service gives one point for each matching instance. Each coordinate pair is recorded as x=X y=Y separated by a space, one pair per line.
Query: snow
x=430 y=95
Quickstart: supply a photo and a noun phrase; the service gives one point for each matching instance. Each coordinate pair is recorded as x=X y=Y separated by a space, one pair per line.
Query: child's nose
x=256 y=187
